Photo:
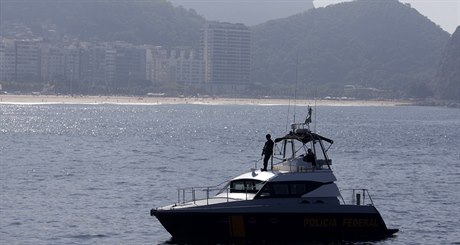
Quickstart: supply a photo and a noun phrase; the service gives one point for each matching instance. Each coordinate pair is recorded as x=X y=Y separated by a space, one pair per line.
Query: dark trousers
x=266 y=158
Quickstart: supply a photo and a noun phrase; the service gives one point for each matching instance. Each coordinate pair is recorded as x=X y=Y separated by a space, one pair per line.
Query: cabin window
x=288 y=189
x=245 y=186
x=298 y=188
x=280 y=189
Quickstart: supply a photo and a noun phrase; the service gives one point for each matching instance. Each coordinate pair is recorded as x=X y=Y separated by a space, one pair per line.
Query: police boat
x=297 y=198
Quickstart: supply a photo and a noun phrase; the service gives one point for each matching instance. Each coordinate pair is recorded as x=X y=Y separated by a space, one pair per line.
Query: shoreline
x=140 y=100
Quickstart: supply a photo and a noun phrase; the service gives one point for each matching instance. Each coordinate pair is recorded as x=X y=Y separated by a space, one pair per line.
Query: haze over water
x=89 y=174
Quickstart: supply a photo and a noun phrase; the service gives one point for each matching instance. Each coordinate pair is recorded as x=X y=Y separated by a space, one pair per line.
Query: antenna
x=308 y=118
x=316 y=92
x=289 y=107
x=296 y=79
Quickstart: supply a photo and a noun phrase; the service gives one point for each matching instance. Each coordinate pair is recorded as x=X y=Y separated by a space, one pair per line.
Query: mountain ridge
x=446 y=83
x=247 y=12
x=384 y=48
x=383 y=44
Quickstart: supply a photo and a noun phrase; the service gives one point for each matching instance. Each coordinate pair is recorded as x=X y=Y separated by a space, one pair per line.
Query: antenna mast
x=308 y=118
x=289 y=107
x=296 y=79
x=316 y=96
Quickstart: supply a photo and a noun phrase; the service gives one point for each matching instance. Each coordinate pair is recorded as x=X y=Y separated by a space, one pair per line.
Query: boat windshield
x=288 y=189
x=243 y=186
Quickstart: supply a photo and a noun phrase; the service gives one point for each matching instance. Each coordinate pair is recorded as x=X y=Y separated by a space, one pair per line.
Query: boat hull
x=184 y=224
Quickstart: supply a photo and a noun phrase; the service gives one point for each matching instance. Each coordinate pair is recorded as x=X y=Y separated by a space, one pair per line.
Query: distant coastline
x=64 y=99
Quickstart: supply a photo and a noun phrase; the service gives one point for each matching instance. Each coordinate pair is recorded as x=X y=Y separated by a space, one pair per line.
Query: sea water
x=89 y=174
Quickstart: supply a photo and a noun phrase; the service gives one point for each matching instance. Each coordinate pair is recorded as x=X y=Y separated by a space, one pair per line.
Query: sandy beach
x=54 y=99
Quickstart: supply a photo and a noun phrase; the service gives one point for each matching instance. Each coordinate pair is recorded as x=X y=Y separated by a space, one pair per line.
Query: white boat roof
x=257 y=175
x=323 y=176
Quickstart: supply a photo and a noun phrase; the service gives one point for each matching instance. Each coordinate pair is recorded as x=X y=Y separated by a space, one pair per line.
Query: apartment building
x=158 y=69
x=27 y=61
x=7 y=60
x=98 y=67
x=72 y=63
x=189 y=68
x=226 y=50
x=52 y=63
x=130 y=64
x=182 y=66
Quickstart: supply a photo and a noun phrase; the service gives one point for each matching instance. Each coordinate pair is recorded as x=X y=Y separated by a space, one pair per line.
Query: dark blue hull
x=296 y=226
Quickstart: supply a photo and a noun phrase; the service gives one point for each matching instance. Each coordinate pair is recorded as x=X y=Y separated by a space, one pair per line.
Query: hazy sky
x=445 y=13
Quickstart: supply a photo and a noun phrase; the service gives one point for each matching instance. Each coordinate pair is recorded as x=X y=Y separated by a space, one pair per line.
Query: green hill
x=384 y=45
x=447 y=79
x=135 y=21
x=381 y=48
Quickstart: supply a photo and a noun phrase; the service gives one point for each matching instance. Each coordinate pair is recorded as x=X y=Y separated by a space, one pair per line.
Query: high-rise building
x=72 y=63
x=110 y=67
x=226 y=50
x=182 y=66
x=93 y=62
x=130 y=64
x=52 y=63
x=7 y=60
x=192 y=68
x=186 y=67
x=27 y=66
x=157 y=64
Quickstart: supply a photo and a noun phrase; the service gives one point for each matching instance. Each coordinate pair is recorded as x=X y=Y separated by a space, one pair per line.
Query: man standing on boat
x=267 y=151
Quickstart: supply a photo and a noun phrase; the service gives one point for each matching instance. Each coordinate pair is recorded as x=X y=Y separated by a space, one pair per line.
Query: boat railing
x=194 y=194
x=356 y=197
